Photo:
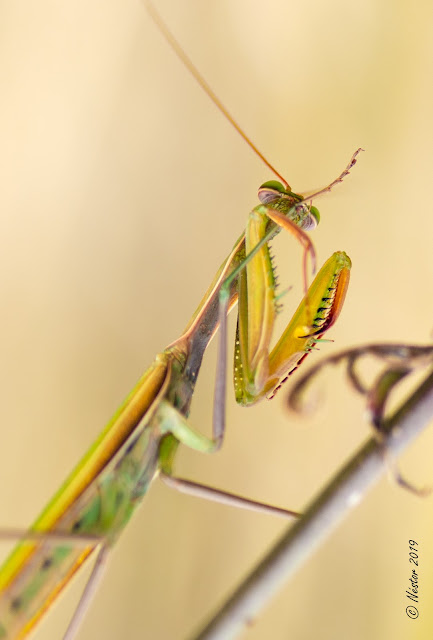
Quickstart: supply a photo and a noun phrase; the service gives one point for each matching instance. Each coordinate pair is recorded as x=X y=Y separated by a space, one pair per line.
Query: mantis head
x=274 y=194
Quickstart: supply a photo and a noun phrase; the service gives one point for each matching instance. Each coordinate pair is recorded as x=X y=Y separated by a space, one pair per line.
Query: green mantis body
x=95 y=503
x=101 y=494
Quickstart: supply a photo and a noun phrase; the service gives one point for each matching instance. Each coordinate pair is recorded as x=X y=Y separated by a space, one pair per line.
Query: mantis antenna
x=180 y=53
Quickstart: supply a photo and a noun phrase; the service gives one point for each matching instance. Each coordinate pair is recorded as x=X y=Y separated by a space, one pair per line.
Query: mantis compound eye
x=312 y=219
x=314 y=212
x=309 y=216
x=271 y=191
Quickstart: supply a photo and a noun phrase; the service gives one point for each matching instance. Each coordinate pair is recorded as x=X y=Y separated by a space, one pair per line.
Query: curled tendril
x=398 y=360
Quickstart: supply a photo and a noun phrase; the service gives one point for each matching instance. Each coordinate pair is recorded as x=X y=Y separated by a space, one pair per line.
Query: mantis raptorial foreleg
x=258 y=370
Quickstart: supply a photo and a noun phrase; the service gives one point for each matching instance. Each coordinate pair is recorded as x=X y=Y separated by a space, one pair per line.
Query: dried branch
x=325 y=512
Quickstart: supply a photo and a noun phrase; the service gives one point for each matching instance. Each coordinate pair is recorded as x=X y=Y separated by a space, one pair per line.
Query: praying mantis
x=332 y=277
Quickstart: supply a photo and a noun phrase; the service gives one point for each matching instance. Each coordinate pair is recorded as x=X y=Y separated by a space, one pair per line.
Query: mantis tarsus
x=160 y=401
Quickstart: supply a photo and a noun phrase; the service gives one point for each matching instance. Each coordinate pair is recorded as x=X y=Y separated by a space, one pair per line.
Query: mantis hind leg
x=88 y=594
x=199 y=490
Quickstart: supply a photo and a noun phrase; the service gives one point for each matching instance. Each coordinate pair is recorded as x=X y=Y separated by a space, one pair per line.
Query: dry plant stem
x=344 y=491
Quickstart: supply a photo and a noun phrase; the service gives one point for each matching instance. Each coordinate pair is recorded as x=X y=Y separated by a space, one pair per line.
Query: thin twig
x=343 y=492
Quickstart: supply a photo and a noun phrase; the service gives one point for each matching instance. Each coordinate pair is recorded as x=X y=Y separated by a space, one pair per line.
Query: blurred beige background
x=122 y=189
